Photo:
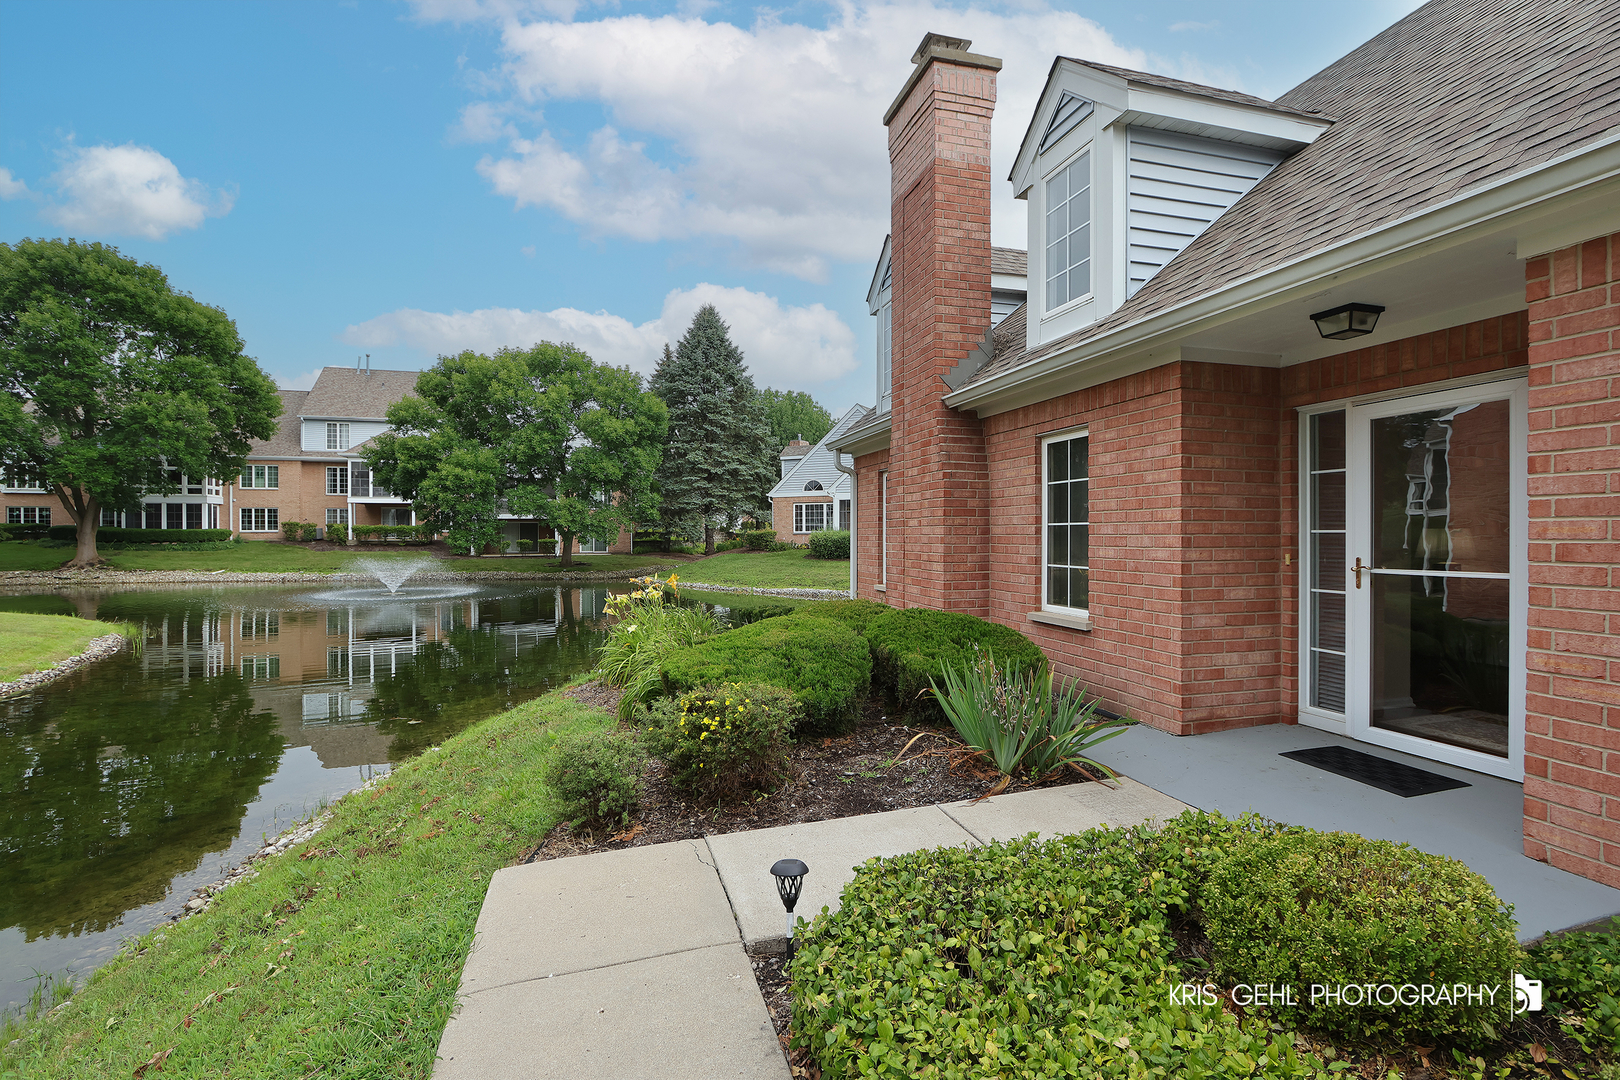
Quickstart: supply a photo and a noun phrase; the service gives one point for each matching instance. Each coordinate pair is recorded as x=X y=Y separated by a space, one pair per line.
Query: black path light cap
x=789 y=874
x=1347 y=321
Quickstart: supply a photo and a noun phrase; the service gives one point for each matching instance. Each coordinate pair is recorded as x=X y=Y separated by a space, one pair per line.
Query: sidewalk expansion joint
x=960 y=824
x=602 y=967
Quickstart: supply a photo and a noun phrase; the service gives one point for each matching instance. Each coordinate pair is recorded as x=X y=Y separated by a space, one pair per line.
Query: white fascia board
x=1106 y=92
x=1010 y=282
x=1579 y=173
x=1226 y=120
x=875 y=290
x=867 y=438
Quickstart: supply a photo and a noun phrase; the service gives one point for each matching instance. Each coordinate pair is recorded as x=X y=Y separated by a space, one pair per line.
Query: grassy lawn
x=340 y=961
x=27 y=555
x=35 y=642
x=628 y=565
x=769 y=570
x=265 y=557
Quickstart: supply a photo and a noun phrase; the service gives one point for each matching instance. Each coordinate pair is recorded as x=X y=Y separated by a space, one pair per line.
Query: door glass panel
x=1440 y=659
x=1325 y=520
x=1440 y=489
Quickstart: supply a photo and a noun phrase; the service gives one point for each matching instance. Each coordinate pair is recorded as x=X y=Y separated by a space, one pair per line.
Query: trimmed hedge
x=1026 y=958
x=911 y=647
x=110 y=535
x=855 y=614
x=824 y=663
x=410 y=534
x=1338 y=909
x=24 y=532
x=829 y=544
x=758 y=539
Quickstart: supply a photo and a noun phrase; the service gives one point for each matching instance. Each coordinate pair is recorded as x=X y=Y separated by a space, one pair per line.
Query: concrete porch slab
x=1482 y=825
x=1073 y=808
x=688 y=1016
x=832 y=849
x=564 y=915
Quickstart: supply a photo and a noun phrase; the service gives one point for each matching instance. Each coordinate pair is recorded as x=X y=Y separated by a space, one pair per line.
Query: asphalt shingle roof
x=1009 y=261
x=1456 y=95
x=345 y=392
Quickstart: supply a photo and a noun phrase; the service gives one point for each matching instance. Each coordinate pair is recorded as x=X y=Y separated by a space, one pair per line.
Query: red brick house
x=1311 y=415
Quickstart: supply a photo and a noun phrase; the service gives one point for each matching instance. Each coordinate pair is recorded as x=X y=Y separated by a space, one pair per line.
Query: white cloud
x=769 y=137
x=481 y=122
x=785 y=347
x=11 y=187
x=306 y=381
x=130 y=189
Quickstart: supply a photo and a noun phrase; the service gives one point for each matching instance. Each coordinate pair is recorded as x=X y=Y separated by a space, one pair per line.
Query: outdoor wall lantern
x=1351 y=320
x=789 y=874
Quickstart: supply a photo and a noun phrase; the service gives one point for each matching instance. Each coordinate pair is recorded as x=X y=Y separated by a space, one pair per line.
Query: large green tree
x=794 y=414
x=716 y=465
x=112 y=384
x=545 y=432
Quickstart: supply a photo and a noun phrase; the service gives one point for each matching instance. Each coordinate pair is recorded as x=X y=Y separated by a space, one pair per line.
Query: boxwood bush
x=824 y=663
x=1338 y=909
x=911 y=647
x=829 y=544
x=1025 y=958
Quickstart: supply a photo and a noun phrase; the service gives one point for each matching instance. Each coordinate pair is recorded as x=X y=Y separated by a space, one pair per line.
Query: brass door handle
x=1358 y=568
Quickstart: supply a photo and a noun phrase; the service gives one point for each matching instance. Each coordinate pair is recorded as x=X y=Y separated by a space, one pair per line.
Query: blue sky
x=407 y=180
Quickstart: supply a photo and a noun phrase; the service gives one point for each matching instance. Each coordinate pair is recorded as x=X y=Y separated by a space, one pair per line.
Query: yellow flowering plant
x=650 y=623
x=725 y=741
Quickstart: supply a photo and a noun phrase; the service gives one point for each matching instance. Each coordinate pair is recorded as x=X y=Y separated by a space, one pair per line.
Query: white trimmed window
x=1066 y=521
x=261 y=476
x=261 y=667
x=337 y=436
x=337 y=479
x=335 y=516
x=28 y=515
x=843 y=513
x=811 y=517
x=261 y=519
x=1068 y=233
x=20 y=478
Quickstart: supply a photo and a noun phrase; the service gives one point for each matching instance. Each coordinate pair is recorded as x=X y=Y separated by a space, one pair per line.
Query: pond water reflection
x=126 y=785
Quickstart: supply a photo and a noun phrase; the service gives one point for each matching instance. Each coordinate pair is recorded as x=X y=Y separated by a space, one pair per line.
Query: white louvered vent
x=1178 y=185
x=1071 y=109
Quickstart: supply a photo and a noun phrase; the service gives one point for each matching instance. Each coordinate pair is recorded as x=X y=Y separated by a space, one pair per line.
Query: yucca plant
x=1022 y=719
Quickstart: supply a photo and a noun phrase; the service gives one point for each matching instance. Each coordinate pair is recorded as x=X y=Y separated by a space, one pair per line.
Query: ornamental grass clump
x=1339 y=910
x=726 y=741
x=1022 y=720
x=650 y=625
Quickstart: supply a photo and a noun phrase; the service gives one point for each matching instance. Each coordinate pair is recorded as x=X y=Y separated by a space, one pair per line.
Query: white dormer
x=1121 y=170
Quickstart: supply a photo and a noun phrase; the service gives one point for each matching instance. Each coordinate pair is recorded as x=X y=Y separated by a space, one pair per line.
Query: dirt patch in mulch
x=830 y=778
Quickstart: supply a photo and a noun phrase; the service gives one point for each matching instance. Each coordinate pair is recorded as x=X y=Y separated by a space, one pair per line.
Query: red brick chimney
x=939 y=159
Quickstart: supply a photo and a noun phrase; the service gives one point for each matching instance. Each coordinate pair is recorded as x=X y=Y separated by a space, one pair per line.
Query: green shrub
x=647 y=631
x=595 y=775
x=26 y=532
x=1020 y=959
x=108 y=534
x=911 y=648
x=308 y=531
x=1022 y=719
x=1580 y=974
x=725 y=741
x=290 y=530
x=406 y=534
x=824 y=663
x=1338 y=909
x=337 y=533
x=855 y=614
x=830 y=544
x=757 y=539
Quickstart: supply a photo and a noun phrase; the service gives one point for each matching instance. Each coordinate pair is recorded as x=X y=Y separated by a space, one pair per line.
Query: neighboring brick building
x=1165 y=473
x=813 y=494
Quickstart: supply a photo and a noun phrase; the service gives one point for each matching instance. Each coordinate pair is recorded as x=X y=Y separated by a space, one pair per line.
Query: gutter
x=854 y=503
x=1584 y=168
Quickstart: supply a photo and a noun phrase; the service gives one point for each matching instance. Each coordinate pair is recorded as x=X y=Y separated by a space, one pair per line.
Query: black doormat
x=1382 y=773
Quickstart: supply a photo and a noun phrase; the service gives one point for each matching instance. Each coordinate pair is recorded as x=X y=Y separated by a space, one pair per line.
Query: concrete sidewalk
x=633 y=963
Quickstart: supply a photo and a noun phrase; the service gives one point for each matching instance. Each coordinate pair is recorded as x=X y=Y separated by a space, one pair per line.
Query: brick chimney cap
x=933 y=41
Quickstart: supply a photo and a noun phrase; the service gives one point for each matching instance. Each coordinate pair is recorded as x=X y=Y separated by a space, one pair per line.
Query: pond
x=126 y=785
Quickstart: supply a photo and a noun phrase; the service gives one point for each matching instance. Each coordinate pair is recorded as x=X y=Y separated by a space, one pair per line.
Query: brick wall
x=1185 y=579
x=1572 y=736
x=782 y=514
x=869 y=512
x=939 y=153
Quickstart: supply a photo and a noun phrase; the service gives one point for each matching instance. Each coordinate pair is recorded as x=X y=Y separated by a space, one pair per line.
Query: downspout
x=838 y=463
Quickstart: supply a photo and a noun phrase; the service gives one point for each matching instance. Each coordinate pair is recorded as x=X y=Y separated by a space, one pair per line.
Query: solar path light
x=789 y=874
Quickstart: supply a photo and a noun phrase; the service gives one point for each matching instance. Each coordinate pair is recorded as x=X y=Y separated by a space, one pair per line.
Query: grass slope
x=341 y=959
x=35 y=642
x=768 y=570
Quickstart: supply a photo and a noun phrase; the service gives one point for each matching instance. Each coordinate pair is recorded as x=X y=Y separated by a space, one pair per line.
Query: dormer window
x=337 y=436
x=1068 y=233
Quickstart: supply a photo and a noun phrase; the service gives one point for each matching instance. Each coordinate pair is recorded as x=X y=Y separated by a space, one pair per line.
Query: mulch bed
x=831 y=778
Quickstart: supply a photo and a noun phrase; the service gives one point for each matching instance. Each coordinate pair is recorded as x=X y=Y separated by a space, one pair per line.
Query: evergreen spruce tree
x=716 y=466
